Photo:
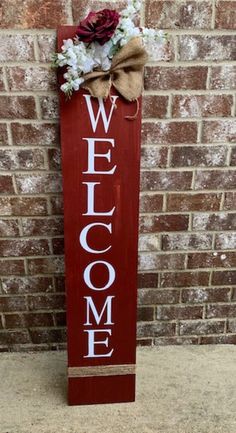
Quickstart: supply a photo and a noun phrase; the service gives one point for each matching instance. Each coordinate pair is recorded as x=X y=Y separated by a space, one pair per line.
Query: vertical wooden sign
x=100 y=162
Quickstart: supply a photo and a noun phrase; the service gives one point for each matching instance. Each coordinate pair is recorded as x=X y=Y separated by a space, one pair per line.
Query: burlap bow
x=126 y=73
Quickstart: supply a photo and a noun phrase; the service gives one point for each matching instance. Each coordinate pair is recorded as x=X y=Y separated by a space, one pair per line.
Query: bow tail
x=128 y=82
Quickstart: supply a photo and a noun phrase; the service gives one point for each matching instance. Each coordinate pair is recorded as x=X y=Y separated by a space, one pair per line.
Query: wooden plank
x=101 y=165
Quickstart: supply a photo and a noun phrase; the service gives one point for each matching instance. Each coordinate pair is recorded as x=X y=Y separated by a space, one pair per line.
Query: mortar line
x=213 y=17
x=5 y=80
x=169 y=106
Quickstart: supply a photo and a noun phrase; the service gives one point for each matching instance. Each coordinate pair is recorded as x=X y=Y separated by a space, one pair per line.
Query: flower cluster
x=98 y=38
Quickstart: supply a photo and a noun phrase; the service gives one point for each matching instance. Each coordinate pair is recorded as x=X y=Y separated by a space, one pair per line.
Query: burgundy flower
x=98 y=26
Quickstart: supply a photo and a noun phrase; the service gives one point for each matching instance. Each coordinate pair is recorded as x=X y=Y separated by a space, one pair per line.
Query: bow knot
x=125 y=74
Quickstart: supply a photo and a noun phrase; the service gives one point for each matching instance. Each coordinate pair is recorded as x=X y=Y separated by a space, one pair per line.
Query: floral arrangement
x=107 y=48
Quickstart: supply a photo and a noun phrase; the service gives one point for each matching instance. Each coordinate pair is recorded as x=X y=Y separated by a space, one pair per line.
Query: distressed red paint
x=91 y=238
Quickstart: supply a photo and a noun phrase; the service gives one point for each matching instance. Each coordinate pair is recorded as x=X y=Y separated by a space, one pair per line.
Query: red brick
x=162 y=52
x=226 y=15
x=42 y=226
x=46 y=302
x=38 y=183
x=39 y=336
x=144 y=342
x=21 y=159
x=14 y=337
x=221 y=311
x=169 y=133
x=172 y=78
x=57 y=205
x=201 y=327
x=215 y=221
x=153 y=157
x=185 y=241
x=59 y=282
x=12 y=303
x=28 y=320
x=205 y=295
x=219 y=339
x=148 y=280
x=199 y=156
x=31 y=78
x=223 y=77
x=202 y=105
x=222 y=278
x=49 y=107
x=155 y=329
x=212 y=260
x=215 y=179
x=185 y=14
x=154 y=296
x=47 y=46
x=218 y=48
x=166 y=181
x=54 y=158
x=3 y=134
x=16 y=48
x=2 y=85
x=217 y=131
x=49 y=265
x=6 y=185
x=145 y=314
x=233 y=157
x=193 y=202
x=184 y=279
x=179 y=312
x=81 y=8
x=23 y=285
x=155 y=106
x=149 y=242
x=225 y=241
x=35 y=134
x=9 y=227
x=24 y=247
x=60 y=318
x=230 y=201
x=18 y=206
x=12 y=267
x=151 y=203
x=22 y=107
x=58 y=246
x=231 y=326
x=34 y=15
x=163 y=223
x=175 y=341
x=156 y=261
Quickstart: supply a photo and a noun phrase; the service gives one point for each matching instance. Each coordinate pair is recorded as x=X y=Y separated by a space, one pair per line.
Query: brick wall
x=187 y=269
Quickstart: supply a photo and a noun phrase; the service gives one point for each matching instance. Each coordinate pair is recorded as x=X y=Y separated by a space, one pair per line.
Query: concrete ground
x=179 y=390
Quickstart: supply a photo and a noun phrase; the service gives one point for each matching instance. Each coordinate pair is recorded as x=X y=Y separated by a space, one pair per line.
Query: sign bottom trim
x=104 y=370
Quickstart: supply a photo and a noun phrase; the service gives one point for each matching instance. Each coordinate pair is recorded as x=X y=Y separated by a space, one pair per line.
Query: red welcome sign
x=100 y=162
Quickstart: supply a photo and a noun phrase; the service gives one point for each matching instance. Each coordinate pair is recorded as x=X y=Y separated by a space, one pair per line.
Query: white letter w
x=101 y=112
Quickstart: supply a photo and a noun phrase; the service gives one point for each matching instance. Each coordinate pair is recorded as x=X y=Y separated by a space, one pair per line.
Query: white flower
x=132 y=9
x=67 y=43
x=76 y=83
x=66 y=87
x=101 y=55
